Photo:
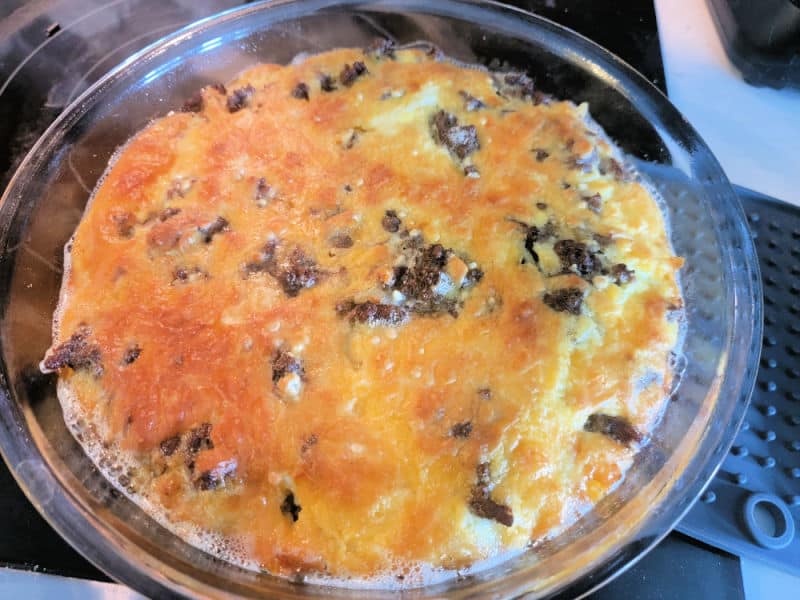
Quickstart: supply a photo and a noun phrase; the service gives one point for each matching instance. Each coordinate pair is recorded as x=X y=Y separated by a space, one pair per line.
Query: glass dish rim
x=147 y=571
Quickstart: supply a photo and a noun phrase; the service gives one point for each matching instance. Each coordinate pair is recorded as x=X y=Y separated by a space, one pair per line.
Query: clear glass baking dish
x=45 y=199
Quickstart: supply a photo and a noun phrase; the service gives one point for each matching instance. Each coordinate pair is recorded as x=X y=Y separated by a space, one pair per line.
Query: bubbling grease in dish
x=372 y=318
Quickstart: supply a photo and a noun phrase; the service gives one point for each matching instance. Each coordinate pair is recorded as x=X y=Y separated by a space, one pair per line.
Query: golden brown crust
x=421 y=316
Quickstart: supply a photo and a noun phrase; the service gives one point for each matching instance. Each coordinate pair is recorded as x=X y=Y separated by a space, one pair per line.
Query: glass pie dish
x=46 y=197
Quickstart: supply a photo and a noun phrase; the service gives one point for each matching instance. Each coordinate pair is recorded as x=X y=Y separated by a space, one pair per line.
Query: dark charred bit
x=481 y=503
x=381 y=47
x=131 y=354
x=283 y=363
x=461 y=430
x=341 y=239
x=567 y=300
x=472 y=172
x=300 y=91
x=471 y=103
x=240 y=98
x=199 y=439
x=391 y=222
x=372 y=313
x=327 y=83
x=575 y=253
x=216 y=226
x=308 y=443
x=460 y=140
x=168 y=213
x=541 y=206
x=350 y=73
x=300 y=272
x=125 y=223
x=541 y=155
x=594 y=202
x=77 y=353
x=618 y=429
x=290 y=507
x=622 y=274
x=170 y=445
x=485 y=394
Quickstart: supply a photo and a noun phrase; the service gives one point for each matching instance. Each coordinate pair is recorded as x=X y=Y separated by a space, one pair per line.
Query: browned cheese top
x=369 y=311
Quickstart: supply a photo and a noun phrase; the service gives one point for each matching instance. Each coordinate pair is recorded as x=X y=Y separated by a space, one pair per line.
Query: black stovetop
x=52 y=50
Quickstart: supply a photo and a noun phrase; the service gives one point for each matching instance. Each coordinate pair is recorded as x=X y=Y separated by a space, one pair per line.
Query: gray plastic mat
x=752 y=507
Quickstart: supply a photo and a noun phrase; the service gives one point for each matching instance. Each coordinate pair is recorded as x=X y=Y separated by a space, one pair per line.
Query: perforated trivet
x=752 y=508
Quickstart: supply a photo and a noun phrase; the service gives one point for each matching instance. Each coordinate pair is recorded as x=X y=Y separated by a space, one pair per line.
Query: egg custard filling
x=369 y=316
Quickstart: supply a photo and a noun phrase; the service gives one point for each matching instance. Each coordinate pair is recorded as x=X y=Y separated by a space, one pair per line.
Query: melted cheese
x=361 y=454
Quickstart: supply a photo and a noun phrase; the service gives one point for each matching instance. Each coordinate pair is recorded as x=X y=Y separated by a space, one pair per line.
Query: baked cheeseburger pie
x=372 y=317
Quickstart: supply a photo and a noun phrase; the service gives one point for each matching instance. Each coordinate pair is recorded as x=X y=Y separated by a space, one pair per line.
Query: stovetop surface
x=52 y=50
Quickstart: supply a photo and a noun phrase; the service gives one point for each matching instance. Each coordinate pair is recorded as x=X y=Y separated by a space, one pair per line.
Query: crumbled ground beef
x=240 y=98
x=77 y=353
x=199 y=439
x=618 y=429
x=622 y=274
x=327 y=83
x=283 y=363
x=187 y=275
x=417 y=282
x=300 y=91
x=578 y=254
x=594 y=202
x=341 y=239
x=617 y=170
x=131 y=354
x=461 y=430
x=214 y=478
x=294 y=272
x=170 y=445
x=565 y=300
x=196 y=103
x=168 y=213
x=218 y=225
x=125 y=223
x=350 y=73
x=381 y=47
x=391 y=222
x=471 y=103
x=460 y=140
x=372 y=313
x=481 y=502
